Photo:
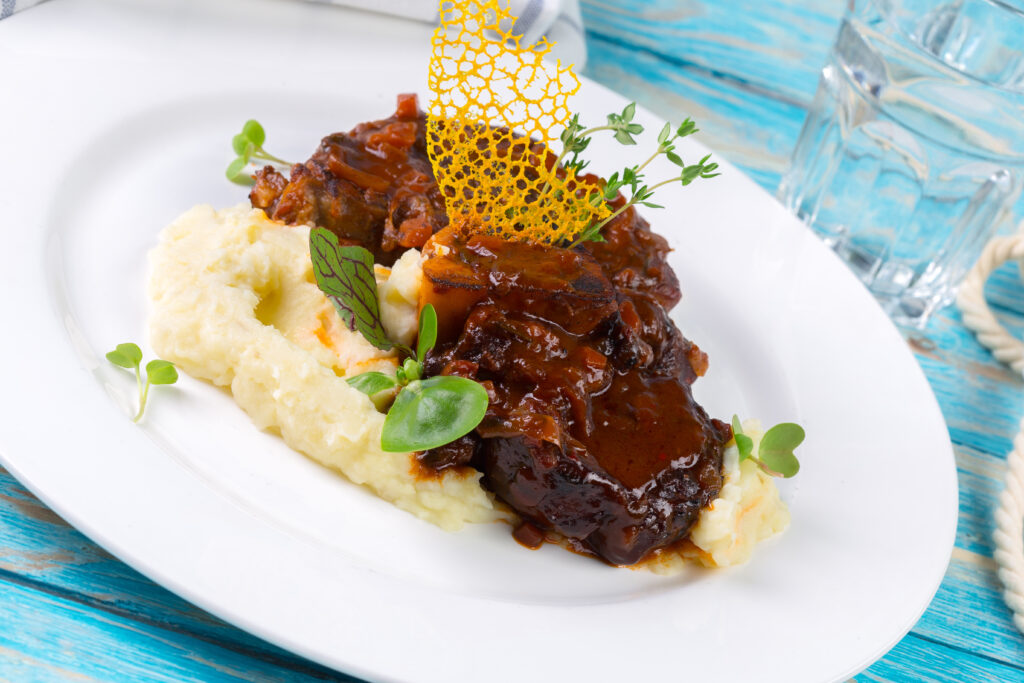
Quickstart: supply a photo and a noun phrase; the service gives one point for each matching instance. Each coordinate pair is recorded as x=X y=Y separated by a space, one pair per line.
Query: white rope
x=977 y=315
x=1009 y=516
x=1009 y=534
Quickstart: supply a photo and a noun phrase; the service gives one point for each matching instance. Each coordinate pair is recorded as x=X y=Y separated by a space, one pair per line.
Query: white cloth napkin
x=559 y=20
x=9 y=7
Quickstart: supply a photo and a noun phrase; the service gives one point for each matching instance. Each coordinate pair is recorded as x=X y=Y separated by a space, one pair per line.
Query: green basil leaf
x=371 y=383
x=428 y=332
x=345 y=275
x=432 y=412
x=161 y=372
x=254 y=132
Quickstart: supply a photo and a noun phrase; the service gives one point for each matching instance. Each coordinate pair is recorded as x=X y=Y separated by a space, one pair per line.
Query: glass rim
x=1009 y=159
x=888 y=15
x=1018 y=10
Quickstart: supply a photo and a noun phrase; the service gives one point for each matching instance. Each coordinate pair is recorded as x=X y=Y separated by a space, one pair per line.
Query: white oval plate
x=114 y=127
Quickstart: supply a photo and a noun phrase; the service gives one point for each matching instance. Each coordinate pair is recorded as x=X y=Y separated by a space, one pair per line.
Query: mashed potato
x=235 y=302
x=747 y=511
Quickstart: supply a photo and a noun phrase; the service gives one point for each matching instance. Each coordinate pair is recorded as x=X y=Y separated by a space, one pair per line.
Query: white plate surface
x=117 y=117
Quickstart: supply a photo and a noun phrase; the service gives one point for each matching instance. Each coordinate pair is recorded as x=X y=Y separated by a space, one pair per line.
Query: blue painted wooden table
x=746 y=71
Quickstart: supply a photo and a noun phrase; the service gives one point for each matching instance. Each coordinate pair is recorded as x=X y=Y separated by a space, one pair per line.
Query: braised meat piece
x=592 y=429
x=372 y=186
x=634 y=258
x=527 y=276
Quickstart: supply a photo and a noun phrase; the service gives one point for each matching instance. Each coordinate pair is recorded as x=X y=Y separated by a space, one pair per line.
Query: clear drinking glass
x=912 y=155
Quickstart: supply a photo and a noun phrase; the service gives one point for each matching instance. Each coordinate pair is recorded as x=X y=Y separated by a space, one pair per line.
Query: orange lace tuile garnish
x=490 y=97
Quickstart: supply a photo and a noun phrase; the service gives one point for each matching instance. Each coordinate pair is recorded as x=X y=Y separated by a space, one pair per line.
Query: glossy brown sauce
x=372 y=186
x=644 y=425
x=592 y=431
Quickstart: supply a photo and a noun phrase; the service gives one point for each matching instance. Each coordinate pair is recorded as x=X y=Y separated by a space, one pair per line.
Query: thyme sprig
x=576 y=138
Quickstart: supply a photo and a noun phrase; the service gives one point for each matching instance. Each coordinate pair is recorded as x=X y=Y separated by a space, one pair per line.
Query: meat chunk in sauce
x=373 y=186
x=592 y=429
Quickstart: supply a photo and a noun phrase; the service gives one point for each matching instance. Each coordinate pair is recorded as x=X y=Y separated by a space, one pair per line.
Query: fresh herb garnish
x=575 y=139
x=248 y=145
x=432 y=412
x=775 y=453
x=129 y=356
x=345 y=275
x=371 y=383
x=426 y=413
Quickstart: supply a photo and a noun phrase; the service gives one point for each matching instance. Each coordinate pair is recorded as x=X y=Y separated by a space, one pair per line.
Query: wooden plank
x=40 y=552
x=921 y=660
x=754 y=132
x=45 y=637
x=774 y=46
x=981 y=399
x=968 y=611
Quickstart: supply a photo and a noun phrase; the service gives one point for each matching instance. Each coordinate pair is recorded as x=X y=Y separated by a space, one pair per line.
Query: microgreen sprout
x=129 y=356
x=248 y=145
x=426 y=413
x=576 y=138
x=775 y=452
